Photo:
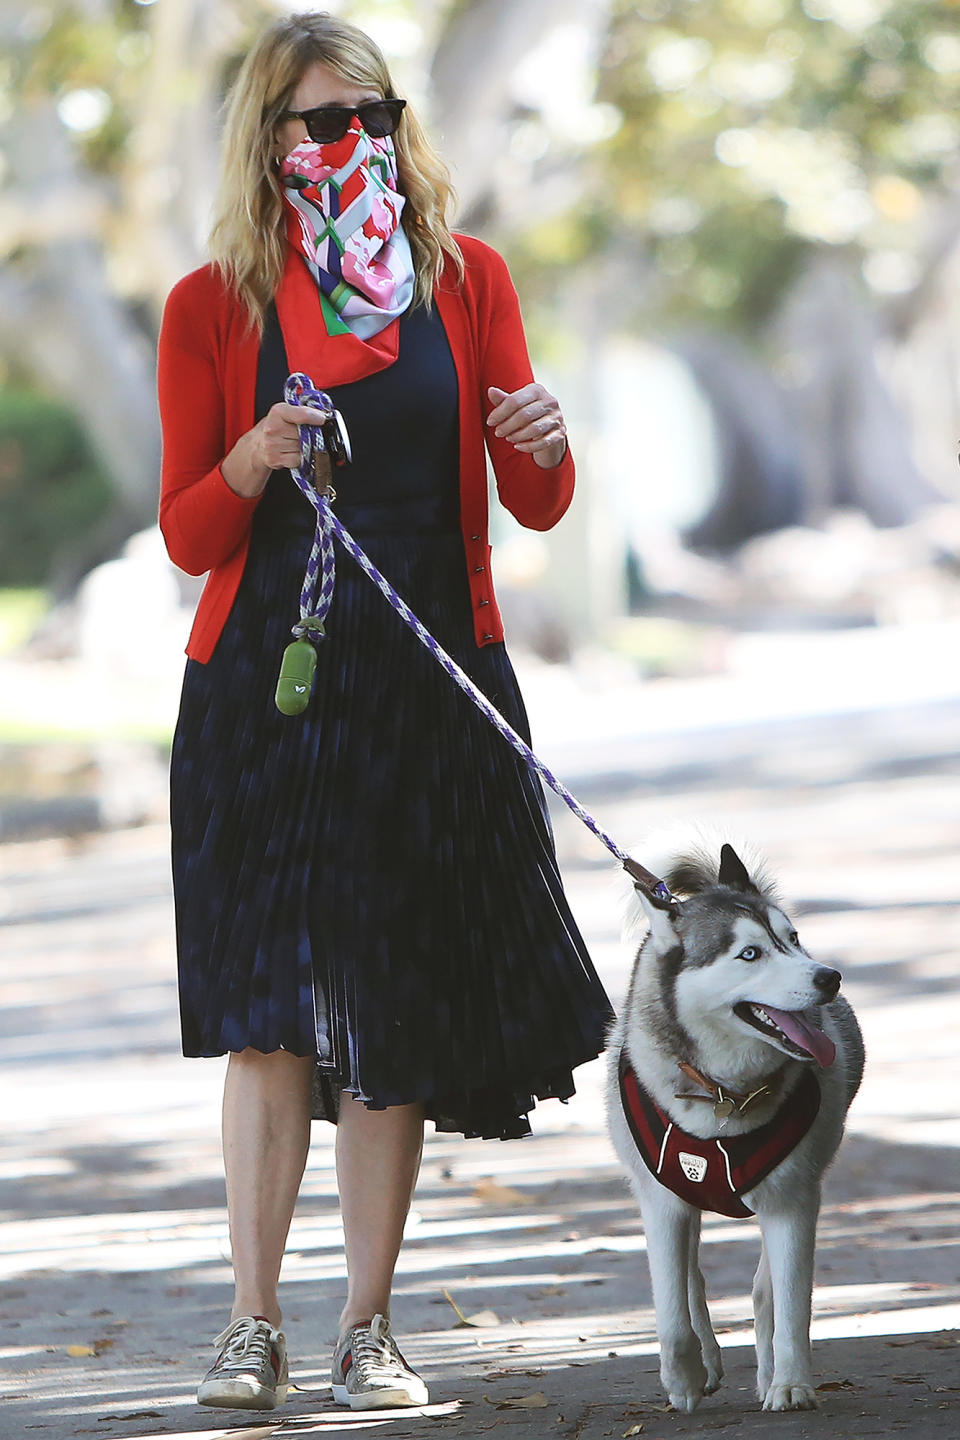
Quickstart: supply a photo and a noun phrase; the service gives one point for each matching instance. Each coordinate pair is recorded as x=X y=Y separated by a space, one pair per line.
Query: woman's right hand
x=272 y=444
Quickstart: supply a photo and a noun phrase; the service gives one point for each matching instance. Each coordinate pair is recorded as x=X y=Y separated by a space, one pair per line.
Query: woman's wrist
x=244 y=470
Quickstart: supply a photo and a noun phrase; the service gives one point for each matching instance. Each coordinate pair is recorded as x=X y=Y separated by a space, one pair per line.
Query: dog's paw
x=686 y=1387
x=685 y=1400
x=713 y=1362
x=790 y=1397
x=714 y=1374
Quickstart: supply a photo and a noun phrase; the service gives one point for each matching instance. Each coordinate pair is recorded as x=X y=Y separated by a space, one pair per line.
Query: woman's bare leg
x=378 y=1158
x=266 y=1135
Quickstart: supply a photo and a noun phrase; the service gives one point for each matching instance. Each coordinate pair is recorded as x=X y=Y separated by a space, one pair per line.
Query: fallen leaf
x=103 y=1344
x=80 y=1352
x=548 y=1290
x=634 y=1430
x=480 y=1319
x=536 y=1401
x=134 y=1415
x=837 y=1385
x=513 y=1371
x=491 y=1192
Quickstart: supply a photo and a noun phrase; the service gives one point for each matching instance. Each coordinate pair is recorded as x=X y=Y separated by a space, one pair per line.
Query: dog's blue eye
x=794 y=938
x=749 y=952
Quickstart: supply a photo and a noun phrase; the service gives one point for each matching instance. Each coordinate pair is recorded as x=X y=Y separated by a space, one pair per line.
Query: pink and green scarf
x=348 y=207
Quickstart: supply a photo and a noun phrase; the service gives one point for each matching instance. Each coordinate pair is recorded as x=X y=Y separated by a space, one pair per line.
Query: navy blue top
x=404 y=433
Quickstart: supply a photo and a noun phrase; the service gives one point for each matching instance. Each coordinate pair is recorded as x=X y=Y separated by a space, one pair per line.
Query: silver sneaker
x=369 y=1373
x=250 y=1373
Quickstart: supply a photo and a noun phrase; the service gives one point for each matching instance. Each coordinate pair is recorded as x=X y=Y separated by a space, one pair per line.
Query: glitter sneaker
x=250 y=1373
x=369 y=1373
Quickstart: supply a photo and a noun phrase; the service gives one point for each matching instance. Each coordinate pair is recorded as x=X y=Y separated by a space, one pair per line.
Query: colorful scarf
x=345 y=198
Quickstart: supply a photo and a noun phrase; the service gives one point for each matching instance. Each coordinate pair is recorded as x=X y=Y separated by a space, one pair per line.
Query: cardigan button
x=487 y=635
x=479 y=569
x=481 y=603
x=474 y=537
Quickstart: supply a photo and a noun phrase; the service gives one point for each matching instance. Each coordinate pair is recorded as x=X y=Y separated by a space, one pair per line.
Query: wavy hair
x=248 y=238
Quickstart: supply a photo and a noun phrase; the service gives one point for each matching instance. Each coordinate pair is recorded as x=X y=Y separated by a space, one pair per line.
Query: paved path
x=114 y=1234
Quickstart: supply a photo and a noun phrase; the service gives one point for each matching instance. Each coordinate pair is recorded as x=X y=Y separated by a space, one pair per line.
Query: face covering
x=348 y=207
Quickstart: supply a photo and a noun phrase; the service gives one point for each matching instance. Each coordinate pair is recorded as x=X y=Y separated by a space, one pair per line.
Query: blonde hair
x=248 y=239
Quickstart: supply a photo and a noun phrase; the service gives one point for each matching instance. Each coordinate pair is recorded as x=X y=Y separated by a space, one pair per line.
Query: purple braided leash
x=299 y=390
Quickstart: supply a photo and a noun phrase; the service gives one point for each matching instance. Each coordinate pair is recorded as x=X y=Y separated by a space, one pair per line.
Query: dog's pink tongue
x=807 y=1036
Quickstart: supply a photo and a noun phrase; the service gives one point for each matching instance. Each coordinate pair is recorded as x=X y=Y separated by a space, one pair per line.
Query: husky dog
x=731 y=1071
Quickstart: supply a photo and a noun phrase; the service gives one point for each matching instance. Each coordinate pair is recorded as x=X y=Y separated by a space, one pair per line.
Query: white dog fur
x=689 y=974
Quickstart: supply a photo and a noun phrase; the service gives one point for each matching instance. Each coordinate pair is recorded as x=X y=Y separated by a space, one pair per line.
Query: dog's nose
x=827 y=982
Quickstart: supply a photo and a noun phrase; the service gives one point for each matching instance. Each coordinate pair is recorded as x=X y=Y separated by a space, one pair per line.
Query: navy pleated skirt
x=373 y=882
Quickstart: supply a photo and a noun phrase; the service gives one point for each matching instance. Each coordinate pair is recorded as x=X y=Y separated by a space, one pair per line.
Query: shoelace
x=246 y=1343
x=374 y=1346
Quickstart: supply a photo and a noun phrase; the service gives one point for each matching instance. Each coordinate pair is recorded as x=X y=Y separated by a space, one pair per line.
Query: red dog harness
x=713 y=1174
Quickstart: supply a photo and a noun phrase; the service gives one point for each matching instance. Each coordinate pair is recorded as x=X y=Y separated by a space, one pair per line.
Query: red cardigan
x=207 y=371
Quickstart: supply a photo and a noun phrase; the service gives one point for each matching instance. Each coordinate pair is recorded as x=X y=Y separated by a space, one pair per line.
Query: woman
x=369 y=916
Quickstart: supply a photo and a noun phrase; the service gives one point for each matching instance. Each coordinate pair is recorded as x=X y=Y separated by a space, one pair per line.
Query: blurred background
x=735 y=229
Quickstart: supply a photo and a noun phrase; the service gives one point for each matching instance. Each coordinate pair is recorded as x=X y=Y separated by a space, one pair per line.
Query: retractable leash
x=295 y=683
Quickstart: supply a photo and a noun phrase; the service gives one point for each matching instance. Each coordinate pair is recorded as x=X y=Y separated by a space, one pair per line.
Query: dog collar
x=714 y=1174
x=725 y=1102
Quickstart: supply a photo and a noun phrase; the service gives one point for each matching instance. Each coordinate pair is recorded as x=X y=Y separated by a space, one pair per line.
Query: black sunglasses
x=327 y=123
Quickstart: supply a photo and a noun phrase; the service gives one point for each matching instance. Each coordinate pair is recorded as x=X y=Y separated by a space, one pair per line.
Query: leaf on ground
x=548 y=1290
x=837 y=1385
x=479 y=1320
x=80 y=1352
x=514 y=1371
x=634 y=1430
x=103 y=1344
x=536 y=1401
x=491 y=1192
x=133 y=1415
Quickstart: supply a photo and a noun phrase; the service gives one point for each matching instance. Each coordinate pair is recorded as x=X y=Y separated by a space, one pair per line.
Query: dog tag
x=724 y=1109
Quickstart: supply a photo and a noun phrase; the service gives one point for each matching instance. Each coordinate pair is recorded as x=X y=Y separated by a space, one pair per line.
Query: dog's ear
x=733 y=872
x=661 y=911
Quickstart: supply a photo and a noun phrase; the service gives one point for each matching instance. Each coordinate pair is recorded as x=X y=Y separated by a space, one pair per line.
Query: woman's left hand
x=530 y=419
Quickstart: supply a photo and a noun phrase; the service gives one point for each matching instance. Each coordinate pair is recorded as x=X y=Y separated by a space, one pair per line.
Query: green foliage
x=51 y=488
x=20 y=613
x=754 y=130
x=105 y=56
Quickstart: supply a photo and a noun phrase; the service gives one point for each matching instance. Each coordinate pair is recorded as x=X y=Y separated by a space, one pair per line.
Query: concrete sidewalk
x=113 y=1254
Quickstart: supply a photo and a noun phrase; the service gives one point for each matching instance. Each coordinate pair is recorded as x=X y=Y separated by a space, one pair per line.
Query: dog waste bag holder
x=296 y=677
